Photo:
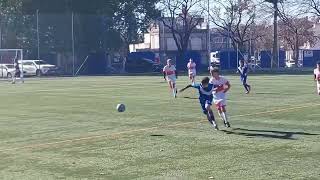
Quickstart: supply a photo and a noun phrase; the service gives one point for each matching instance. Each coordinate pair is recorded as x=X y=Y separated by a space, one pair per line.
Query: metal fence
x=65 y=40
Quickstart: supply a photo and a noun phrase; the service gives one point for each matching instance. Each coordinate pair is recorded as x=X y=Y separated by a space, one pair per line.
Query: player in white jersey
x=222 y=86
x=317 y=76
x=192 y=70
x=170 y=75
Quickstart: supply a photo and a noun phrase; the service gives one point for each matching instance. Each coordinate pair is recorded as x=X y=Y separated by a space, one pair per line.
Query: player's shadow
x=190 y=98
x=157 y=135
x=267 y=133
x=273 y=93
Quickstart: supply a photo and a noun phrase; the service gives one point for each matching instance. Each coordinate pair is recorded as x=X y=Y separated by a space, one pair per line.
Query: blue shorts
x=204 y=102
x=244 y=79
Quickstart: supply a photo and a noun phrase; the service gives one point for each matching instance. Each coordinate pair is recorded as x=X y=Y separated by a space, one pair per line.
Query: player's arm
x=228 y=87
x=187 y=87
x=164 y=75
x=176 y=74
x=315 y=77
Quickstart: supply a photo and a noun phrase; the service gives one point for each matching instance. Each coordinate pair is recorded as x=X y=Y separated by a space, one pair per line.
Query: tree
x=310 y=6
x=181 y=17
x=295 y=29
x=235 y=19
x=131 y=19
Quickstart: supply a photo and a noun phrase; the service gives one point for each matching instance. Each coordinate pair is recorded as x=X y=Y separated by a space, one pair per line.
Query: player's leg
x=225 y=117
x=318 y=87
x=193 y=78
x=221 y=107
x=244 y=83
x=247 y=85
x=170 y=85
x=16 y=75
x=210 y=115
x=174 y=88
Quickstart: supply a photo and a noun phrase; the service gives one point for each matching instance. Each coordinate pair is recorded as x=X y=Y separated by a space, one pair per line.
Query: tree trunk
x=275 y=54
x=296 y=51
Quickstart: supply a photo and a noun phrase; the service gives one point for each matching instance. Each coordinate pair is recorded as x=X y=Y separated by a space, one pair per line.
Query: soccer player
x=222 y=86
x=192 y=70
x=170 y=75
x=205 y=98
x=317 y=76
x=17 y=73
x=243 y=70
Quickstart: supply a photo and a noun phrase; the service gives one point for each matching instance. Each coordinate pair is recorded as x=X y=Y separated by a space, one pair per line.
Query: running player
x=243 y=70
x=205 y=98
x=192 y=70
x=317 y=76
x=17 y=72
x=222 y=86
x=170 y=75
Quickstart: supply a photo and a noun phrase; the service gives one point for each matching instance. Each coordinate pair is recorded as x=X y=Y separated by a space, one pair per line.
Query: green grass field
x=69 y=129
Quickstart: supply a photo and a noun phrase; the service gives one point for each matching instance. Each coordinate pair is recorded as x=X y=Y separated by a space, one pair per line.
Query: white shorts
x=192 y=73
x=220 y=99
x=171 y=79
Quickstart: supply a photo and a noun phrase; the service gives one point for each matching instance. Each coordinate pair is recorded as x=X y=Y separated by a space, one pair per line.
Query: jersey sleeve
x=164 y=69
x=196 y=85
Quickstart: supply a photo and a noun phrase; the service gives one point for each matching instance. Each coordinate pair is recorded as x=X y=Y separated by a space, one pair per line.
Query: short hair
x=205 y=80
x=214 y=70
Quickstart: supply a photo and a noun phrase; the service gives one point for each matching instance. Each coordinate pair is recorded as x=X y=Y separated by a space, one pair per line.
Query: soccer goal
x=8 y=60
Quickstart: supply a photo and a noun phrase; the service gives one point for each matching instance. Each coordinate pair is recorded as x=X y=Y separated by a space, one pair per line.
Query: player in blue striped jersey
x=205 y=98
x=243 y=71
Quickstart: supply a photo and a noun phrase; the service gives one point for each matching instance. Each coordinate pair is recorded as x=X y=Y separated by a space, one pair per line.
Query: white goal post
x=8 y=58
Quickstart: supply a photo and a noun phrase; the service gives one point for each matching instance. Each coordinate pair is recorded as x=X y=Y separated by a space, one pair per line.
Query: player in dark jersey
x=243 y=70
x=205 y=98
x=17 y=73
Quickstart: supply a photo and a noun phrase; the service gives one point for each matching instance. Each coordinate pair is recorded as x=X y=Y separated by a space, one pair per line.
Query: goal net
x=8 y=59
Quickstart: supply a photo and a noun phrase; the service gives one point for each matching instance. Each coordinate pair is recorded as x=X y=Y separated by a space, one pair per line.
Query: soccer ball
x=121 y=107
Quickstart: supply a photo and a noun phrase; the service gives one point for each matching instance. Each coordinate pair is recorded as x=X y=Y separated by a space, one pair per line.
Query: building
x=159 y=40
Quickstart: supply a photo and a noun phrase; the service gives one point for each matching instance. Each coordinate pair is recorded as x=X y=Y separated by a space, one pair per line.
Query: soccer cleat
x=227 y=125
x=249 y=89
x=214 y=126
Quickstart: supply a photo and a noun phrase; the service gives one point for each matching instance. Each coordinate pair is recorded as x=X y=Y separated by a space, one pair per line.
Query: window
x=40 y=62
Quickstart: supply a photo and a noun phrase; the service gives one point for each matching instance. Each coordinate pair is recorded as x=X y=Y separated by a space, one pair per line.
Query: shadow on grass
x=157 y=135
x=190 y=98
x=274 y=93
x=267 y=133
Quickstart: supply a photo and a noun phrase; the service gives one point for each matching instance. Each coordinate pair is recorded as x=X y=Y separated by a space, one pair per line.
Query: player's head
x=191 y=60
x=241 y=62
x=169 y=62
x=214 y=72
x=318 y=64
x=205 y=82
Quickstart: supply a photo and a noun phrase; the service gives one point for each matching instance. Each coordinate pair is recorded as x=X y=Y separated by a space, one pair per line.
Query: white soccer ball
x=121 y=107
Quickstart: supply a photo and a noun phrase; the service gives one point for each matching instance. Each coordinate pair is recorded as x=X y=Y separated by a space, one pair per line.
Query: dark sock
x=246 y=87
x=212 y=116
x=209 y=118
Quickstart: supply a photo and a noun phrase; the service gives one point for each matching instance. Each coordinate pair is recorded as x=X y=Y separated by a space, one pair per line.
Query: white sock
x=221 y=116
x=225 y=117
